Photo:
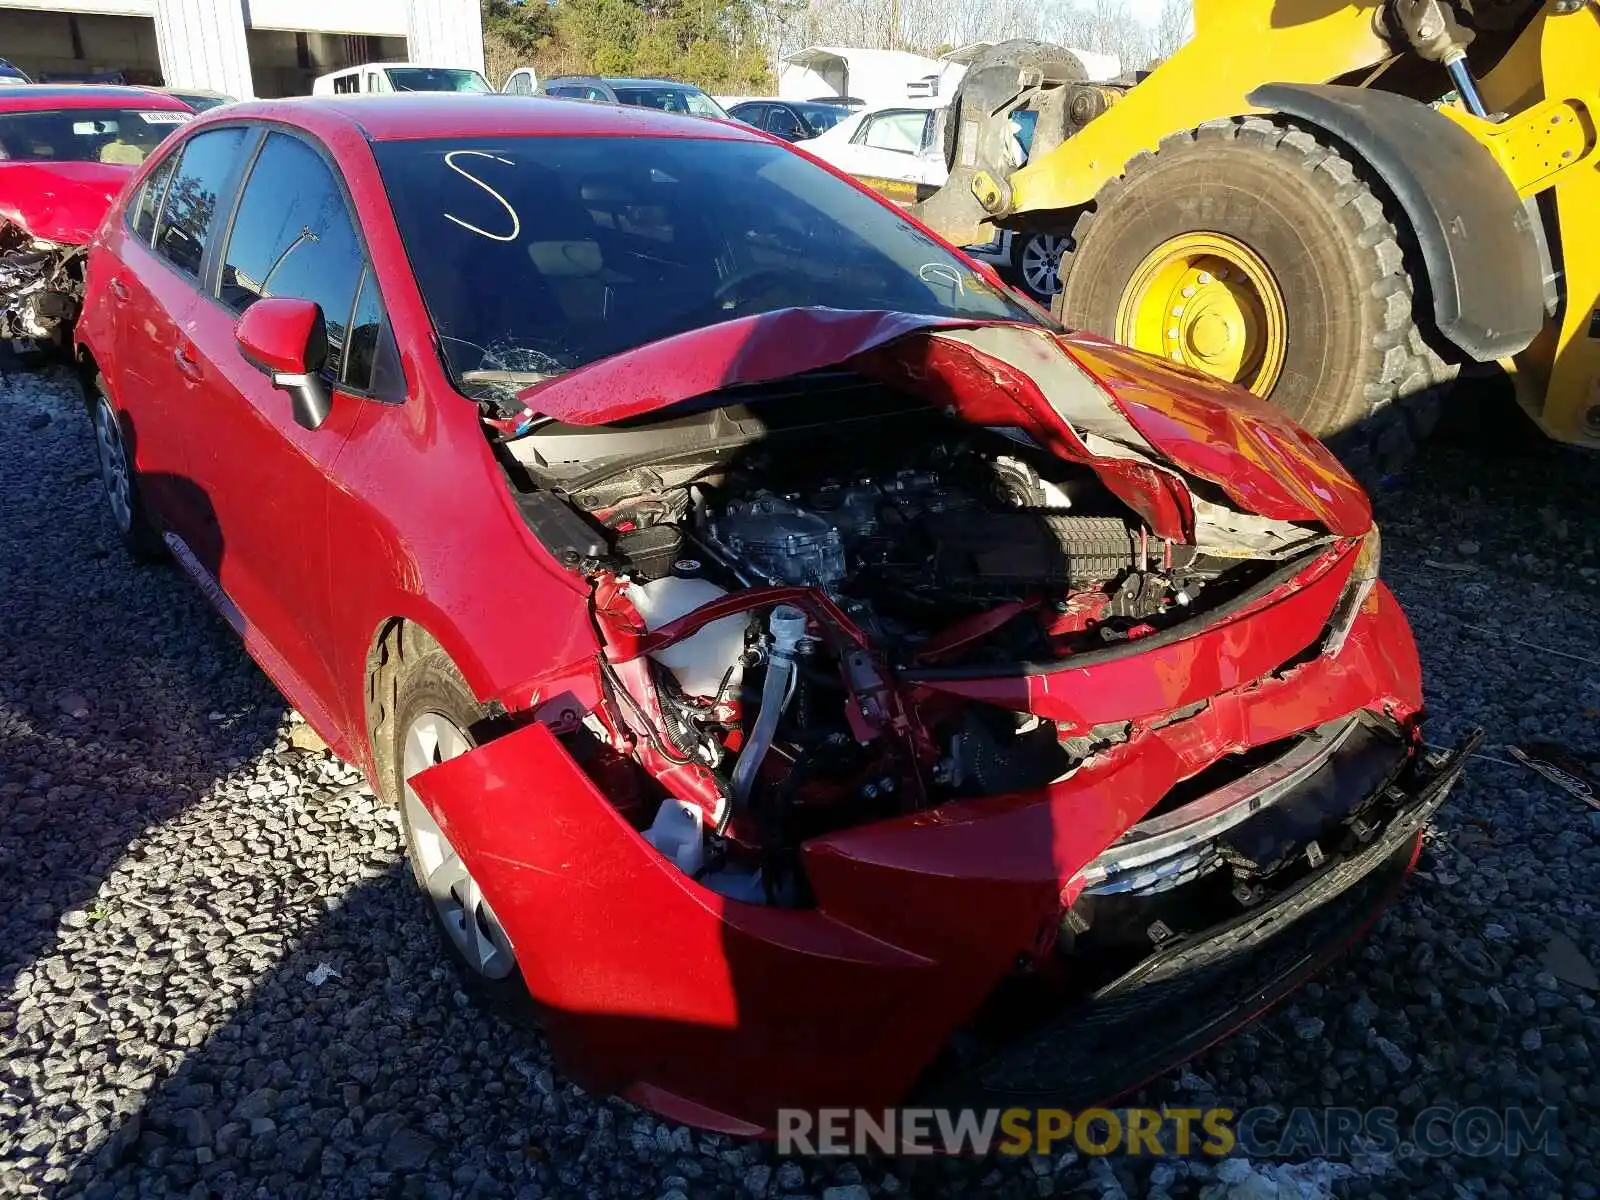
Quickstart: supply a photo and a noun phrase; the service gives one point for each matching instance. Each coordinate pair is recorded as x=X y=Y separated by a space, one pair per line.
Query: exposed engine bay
x=41 y=286
x=790 y=560
x=942 y=542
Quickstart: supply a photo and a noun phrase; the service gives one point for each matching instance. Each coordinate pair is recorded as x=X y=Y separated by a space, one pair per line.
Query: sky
x=1146 y=10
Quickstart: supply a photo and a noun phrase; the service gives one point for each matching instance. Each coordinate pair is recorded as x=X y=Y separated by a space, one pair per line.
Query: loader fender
x=1478 y=242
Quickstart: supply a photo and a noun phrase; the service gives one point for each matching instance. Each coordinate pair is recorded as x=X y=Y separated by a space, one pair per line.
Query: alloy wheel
x=468 y=919
x=1041 y=263
x=115 y=473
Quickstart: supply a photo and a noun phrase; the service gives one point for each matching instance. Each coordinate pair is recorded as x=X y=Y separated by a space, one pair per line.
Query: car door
x=293 y=233
x=153 y=286
x=750 y=114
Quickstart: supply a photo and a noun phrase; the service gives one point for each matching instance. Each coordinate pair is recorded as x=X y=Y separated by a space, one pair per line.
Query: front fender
x=1477 y=239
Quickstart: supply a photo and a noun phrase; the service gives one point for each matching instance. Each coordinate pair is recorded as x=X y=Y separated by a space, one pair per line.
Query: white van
x=384 y=78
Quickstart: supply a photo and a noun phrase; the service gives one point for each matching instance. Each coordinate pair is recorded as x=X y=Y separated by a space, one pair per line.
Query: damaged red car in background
x=65 y=152
x=806 y=672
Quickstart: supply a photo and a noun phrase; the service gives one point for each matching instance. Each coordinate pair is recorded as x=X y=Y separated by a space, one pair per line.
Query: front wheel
x=429 y=717
x=1255 y=252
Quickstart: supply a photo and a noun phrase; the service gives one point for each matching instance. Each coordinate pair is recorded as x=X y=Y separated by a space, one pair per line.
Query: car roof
x=412 y=115
x=625 y=81
x=41 y=96
x=194 y=91
x=639 y=81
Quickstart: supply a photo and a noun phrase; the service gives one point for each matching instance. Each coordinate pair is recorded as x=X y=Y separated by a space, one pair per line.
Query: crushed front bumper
x=1194 y=990
x=718 y=1014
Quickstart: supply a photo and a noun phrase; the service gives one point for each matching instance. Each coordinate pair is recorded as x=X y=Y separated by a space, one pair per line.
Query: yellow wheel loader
x=1336 y=205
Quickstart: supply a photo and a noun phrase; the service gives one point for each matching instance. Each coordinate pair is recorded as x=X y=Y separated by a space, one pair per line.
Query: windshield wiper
x=497 y=375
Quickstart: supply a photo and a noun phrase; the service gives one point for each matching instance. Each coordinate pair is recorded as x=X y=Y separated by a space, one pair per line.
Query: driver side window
x=294 y=236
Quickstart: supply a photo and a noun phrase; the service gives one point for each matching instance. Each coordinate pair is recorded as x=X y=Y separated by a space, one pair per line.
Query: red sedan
x=65 y=153
x=808 y=673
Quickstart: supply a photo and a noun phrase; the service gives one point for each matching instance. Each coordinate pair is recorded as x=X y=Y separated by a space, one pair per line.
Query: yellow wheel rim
x=1209 y=302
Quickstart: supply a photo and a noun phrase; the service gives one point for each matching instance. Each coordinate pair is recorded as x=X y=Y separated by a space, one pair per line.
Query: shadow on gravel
x=1492 y=493
x=358 y=1067
x=123 y=696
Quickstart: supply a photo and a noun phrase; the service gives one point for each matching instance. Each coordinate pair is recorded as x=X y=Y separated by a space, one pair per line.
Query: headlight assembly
x=1356 y=592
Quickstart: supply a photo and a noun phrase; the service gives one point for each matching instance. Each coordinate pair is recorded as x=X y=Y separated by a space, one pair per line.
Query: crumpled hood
x=1226 y=435
x=64 y=202
x=1200 y=460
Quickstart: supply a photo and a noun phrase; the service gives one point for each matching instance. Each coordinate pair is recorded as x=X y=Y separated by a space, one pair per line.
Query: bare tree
x=1174 y=26
x=1106 y=26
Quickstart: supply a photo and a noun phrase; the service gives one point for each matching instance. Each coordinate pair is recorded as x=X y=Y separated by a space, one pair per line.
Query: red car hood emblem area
x=62 y=202
x=1150 y=431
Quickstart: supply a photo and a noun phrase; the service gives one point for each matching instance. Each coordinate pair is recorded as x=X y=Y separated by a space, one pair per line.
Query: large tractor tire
x=1257 y=252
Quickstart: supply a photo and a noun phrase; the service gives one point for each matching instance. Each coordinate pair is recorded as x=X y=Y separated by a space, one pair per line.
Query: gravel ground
x=217 y=980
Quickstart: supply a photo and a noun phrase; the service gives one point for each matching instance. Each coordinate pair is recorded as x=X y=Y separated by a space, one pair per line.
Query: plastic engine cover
x=784 y=543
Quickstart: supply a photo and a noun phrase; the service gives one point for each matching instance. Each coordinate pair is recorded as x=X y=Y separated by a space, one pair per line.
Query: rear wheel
x=1255 y=252
x=119 y=479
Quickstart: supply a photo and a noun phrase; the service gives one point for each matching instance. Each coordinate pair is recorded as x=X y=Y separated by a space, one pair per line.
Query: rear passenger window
x=149 y=205
x=293 y=237
x=191 y=205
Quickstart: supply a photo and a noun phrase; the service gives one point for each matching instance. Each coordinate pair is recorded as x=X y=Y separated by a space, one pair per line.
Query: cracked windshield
x=539 y=255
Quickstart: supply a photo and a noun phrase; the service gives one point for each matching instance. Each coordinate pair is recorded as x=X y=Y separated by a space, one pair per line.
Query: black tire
x=1360 y=369
x=415 y=678
x=1022 y=53
x=129 y=515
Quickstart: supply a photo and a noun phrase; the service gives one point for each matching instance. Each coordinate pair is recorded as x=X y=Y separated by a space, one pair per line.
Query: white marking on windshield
x=516 y=221
x=944 y=272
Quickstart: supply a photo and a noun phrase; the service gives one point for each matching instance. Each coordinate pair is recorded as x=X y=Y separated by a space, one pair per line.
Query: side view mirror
x=287 y=339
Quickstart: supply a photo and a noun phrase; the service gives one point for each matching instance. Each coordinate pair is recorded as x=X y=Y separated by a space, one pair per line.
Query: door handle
x=187 y=367
x=118 y=288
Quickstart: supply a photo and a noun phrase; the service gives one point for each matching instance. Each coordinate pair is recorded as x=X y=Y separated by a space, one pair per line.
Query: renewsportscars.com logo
x=1268 y=1132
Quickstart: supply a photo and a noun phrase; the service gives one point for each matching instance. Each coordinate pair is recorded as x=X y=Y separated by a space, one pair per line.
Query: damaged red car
x=65 y=153
x=808 y=674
